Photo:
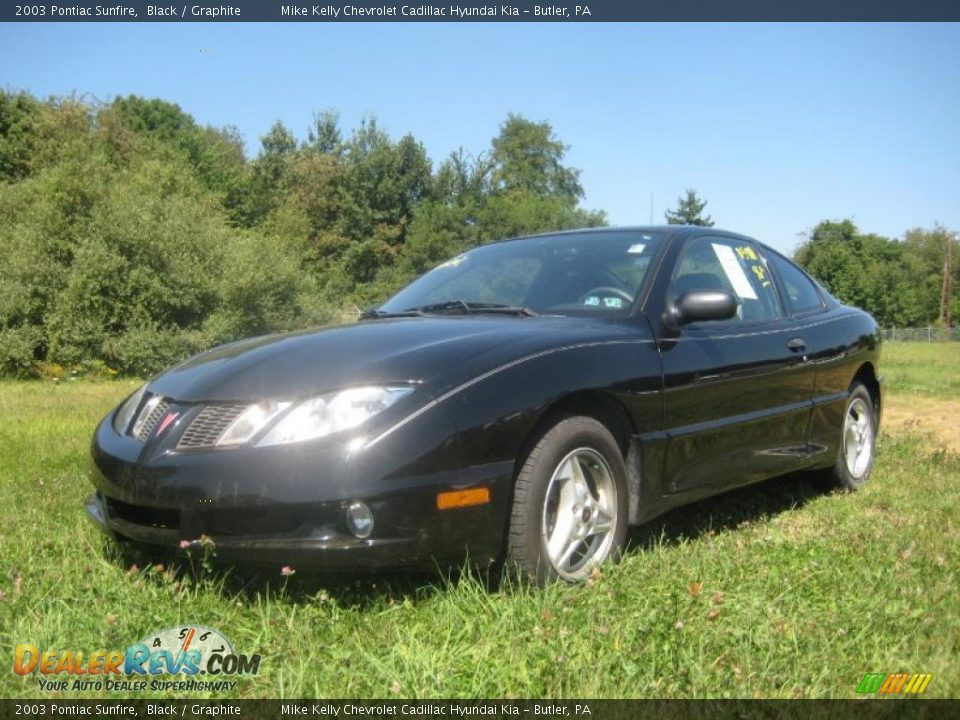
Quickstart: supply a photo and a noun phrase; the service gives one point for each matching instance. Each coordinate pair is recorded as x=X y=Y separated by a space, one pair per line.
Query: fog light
x=359 y=519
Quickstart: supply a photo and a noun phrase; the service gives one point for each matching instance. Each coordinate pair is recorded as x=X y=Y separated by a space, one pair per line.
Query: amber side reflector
x=463 y=498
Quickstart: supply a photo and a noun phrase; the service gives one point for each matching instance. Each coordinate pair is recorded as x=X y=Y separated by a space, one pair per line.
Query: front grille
x=143 y=428
x=207 y=428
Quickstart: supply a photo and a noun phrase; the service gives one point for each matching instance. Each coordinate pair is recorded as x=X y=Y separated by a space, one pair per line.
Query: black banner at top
x=472 y=11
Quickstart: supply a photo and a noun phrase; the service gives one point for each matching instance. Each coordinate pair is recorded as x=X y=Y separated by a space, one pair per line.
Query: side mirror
x=698 y=305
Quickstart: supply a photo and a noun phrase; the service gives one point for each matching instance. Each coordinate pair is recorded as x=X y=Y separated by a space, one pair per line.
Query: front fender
x=496 y=412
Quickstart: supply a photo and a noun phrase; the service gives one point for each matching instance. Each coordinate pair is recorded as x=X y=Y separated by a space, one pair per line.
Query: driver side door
x=736 y=400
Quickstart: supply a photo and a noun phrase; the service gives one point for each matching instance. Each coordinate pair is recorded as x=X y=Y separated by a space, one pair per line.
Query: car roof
x=670 y=231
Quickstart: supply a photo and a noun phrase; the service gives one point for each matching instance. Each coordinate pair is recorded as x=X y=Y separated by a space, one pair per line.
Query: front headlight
x=251 y=421
x=328 y=414
x=125 y=413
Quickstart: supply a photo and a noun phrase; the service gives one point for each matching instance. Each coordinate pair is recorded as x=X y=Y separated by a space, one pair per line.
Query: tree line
x=131 y=235
x=900 y=282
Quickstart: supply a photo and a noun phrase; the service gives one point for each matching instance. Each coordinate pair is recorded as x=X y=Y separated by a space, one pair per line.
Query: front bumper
x=287 y=506
x=304 y=547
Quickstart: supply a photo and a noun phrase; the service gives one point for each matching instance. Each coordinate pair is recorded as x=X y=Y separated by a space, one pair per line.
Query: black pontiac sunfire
x=524 y=402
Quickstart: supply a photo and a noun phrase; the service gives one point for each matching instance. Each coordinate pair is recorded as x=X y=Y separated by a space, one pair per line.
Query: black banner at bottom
x=540 y=709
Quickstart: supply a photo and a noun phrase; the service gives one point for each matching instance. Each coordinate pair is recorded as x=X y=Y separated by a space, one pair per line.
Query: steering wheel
x=608 y=290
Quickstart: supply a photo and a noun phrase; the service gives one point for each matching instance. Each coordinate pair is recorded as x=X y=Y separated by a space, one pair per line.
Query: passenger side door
x=736 y=397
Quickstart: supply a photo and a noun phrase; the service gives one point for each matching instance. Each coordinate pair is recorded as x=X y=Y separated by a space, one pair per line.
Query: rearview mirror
x=699 y=305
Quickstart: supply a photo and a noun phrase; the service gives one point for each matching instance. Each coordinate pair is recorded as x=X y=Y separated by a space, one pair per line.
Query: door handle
x=796 y=344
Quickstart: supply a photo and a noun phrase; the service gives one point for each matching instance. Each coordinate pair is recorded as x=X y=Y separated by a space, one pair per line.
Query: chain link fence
x=922 y=334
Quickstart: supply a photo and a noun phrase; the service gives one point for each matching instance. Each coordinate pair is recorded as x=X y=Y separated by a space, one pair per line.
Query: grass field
x=785 y=589
x=931 y=369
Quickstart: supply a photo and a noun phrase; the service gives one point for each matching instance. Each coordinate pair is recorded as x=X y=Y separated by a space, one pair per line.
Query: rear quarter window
x=800 y=293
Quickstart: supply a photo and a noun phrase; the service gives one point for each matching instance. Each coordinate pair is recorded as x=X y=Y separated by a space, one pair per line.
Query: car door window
x=718 y=263
x=800 y=293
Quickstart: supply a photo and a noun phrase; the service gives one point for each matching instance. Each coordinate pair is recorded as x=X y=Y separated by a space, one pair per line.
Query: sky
x=777 y=126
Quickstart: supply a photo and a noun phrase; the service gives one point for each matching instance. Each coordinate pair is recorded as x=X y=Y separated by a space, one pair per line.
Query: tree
x=17 y=134
x=925 y=259
x=158 y=117
x=528 y=157
x=215 y=154
x=462 y=178
x=324 y=136
x=268 y=172
x=519 y=187
x=689 y=211
x=383 y=181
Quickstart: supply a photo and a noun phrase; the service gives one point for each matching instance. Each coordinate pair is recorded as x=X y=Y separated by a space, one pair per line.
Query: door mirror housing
x=701 y=305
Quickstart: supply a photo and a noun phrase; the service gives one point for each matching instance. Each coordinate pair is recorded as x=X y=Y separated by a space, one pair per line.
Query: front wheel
x=857 y=441
x=570 y=505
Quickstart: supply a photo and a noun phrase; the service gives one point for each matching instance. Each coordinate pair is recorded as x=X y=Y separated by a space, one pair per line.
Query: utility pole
x=947 y=290
x=950 y=242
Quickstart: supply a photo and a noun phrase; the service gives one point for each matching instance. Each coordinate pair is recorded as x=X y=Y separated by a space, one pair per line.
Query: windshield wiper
x=471 y=308
x=447 y=306
x=376 y=314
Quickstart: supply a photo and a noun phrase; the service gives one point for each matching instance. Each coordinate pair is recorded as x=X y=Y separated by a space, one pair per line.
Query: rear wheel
x=570 y=510
x=857 y=441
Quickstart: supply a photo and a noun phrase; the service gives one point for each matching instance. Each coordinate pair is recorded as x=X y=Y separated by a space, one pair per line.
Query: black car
x=525 y=402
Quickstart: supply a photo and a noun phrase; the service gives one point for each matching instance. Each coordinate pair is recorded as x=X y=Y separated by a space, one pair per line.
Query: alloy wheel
x=579 y=514
x=858 y=438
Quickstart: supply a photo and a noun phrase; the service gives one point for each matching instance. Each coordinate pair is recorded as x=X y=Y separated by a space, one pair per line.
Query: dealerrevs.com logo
x=200 y=658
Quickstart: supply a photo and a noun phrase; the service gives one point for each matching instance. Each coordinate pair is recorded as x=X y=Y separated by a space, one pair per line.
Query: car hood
x=421 y=350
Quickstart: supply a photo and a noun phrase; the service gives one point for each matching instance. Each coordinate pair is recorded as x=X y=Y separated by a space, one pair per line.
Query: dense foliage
x=131 y=236
x=898 y=281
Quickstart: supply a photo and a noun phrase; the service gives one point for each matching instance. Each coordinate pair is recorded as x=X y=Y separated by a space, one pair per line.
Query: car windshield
x=585 y=273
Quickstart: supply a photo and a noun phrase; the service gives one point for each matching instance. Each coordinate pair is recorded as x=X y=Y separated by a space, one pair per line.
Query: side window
x=718 y=263
x=800 y=294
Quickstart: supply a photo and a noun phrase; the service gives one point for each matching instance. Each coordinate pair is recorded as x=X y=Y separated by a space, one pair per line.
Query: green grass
x=922 y=368
x=817 y=588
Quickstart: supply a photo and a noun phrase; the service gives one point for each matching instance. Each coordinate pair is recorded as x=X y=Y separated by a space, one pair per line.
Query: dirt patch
x=914 y=415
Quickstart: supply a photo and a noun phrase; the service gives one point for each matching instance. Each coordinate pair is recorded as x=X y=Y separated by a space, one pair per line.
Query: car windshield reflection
x=585 y=273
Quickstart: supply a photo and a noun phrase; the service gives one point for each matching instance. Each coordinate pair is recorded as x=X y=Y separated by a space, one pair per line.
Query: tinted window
x=596 y=273
x=717 y=263
x=800 y=293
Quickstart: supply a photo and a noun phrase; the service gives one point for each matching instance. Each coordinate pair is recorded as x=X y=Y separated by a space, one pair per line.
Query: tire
x=858 y=437
x=569 y=511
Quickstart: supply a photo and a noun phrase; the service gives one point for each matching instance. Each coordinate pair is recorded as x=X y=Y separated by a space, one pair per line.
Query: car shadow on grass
x=248 y=585
x=371 y=591
x=730 y=510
